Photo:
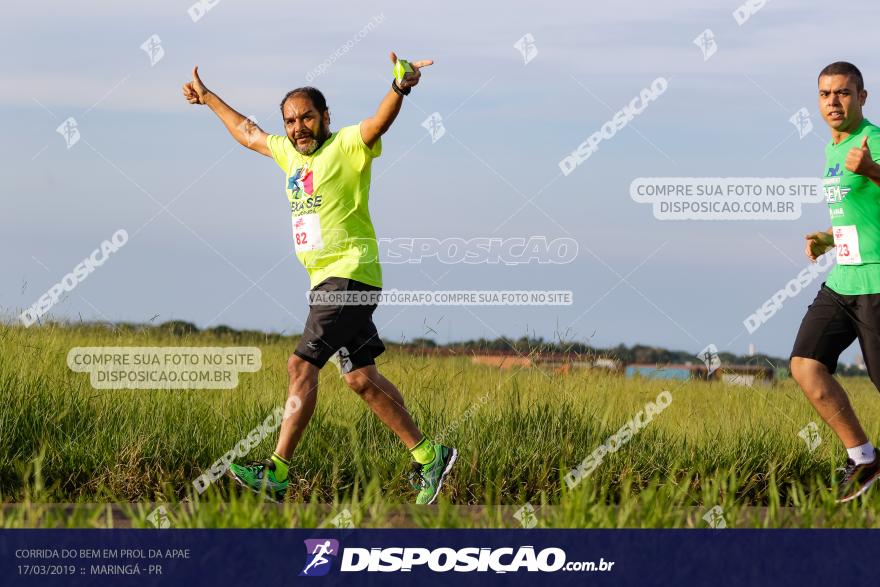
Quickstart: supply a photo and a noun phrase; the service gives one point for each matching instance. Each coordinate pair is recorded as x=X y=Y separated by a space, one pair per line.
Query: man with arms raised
x=328 y=185
x=847 y=306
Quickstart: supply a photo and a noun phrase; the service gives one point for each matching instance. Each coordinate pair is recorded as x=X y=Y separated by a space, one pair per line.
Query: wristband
x=400 y=91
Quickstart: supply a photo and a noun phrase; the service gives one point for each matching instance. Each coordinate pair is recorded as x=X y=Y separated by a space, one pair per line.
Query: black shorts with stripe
x=345 y=329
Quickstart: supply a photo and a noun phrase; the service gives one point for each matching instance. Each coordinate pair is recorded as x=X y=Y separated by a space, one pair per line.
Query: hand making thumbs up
x=859 y=160
x=195 y=91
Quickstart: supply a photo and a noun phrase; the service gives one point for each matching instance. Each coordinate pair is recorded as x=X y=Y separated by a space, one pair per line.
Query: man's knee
x=360 y=382
x=808 y=373
x=300 y=370
x=804 y=369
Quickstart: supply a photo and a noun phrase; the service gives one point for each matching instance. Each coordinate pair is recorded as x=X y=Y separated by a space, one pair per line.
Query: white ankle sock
x=862 y=454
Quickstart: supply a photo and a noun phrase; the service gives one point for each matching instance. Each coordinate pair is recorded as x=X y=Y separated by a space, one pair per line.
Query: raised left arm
x=374 y=127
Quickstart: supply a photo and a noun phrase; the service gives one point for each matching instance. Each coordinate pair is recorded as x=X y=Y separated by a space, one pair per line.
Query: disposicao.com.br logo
x=441 y=560
x=320 y=553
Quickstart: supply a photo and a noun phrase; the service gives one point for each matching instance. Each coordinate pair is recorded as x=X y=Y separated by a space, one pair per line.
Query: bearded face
x=306 y=128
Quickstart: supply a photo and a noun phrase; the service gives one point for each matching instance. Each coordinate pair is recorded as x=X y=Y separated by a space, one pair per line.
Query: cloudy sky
x=209 y=223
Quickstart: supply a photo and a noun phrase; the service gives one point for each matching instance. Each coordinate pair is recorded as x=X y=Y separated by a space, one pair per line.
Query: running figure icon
x=320 y=550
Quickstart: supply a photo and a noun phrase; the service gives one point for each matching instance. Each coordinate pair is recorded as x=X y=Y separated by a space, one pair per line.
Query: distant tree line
x=637 y=353
x=524 y=345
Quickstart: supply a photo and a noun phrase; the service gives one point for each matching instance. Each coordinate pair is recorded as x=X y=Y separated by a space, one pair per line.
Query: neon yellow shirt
x=329 y=192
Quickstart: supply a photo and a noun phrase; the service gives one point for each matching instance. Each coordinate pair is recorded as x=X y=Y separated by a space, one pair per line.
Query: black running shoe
x=858 y=478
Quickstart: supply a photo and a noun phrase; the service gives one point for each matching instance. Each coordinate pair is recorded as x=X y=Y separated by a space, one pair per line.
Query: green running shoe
x=259 y=475
x=428 y=479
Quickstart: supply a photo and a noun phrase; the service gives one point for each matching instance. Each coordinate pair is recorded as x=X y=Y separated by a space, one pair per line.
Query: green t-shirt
x=328 y=192
x=854 y=204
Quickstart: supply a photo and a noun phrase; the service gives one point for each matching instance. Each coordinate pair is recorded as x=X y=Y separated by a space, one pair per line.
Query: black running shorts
x=833 y=321
x=345 y=329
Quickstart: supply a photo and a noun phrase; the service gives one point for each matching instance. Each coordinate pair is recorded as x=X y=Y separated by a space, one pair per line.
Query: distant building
x=503 y=361
x=677 y=372
x=560 y=362
x=746 y=375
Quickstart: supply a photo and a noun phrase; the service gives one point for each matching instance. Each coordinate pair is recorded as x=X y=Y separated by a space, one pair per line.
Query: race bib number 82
x=307 y=233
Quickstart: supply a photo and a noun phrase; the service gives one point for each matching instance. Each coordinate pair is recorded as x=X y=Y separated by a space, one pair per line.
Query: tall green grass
x=518 y=433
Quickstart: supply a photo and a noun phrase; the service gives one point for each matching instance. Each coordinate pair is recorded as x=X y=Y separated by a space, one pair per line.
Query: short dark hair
x=845 y=68
x=314 y=94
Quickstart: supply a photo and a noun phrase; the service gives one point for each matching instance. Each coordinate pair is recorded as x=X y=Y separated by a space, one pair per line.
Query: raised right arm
x=242 y=129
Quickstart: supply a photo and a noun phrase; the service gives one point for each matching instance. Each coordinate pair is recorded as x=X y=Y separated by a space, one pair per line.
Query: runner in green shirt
x=847 y=306
x=327 y=182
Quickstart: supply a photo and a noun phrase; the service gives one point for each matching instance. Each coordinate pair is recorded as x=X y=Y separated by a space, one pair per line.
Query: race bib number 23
x=846 y=240
x=307 y=233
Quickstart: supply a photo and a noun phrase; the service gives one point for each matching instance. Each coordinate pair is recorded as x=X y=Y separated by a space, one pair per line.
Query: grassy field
x=519 y=432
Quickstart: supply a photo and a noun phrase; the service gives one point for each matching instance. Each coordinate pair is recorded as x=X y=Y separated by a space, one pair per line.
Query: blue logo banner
x=438 y=557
